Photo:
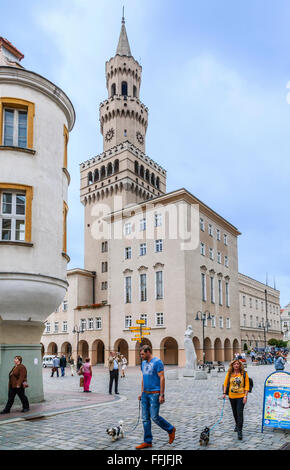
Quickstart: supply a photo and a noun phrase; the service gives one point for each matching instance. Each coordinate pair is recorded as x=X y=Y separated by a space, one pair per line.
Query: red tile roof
x=11 y=48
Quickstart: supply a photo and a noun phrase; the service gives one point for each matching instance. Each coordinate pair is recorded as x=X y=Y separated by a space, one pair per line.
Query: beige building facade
x=260 y=313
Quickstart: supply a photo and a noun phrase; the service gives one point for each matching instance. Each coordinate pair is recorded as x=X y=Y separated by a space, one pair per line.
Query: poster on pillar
x=276 y=403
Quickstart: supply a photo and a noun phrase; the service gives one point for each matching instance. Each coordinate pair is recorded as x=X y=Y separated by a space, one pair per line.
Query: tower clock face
x=109 y=135
x=140 y=137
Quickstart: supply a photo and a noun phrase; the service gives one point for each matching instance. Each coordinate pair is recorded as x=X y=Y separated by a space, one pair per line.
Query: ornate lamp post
x=204 y=316
x=78 y=330
x=265 y=327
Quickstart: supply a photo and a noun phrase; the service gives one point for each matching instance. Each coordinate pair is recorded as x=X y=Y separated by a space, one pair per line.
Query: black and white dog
x=116 y=431
x=204 y=436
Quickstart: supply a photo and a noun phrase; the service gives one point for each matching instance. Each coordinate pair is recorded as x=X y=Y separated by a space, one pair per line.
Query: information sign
x=276 y=404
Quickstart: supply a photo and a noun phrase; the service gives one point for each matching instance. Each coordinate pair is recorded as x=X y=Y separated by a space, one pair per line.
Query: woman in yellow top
x=239 y=386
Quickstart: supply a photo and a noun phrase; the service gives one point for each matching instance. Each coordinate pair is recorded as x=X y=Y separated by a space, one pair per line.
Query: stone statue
x=191 y=358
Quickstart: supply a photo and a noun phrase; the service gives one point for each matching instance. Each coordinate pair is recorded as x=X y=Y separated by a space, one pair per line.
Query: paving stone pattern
x=190 y=405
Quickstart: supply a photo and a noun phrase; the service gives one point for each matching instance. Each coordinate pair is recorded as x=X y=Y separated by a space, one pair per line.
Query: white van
x=47 y=361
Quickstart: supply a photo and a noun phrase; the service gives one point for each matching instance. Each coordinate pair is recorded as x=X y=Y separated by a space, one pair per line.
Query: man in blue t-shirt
x=152 y=396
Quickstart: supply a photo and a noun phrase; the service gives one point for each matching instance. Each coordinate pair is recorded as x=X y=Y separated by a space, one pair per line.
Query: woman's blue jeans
x=150 y=410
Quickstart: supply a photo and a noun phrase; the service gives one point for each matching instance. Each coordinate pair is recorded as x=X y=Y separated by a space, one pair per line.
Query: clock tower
x=123 y=117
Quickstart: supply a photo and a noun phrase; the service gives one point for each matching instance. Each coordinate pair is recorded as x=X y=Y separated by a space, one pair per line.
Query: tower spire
x=123 y=44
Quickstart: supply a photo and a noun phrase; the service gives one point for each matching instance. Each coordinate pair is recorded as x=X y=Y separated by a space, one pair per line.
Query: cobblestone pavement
x=190 y=406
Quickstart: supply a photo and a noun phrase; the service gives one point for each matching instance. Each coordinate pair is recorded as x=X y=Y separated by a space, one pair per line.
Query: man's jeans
x=62 y=371
x=150 y=410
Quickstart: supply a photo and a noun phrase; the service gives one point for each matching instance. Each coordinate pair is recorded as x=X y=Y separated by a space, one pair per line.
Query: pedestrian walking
x=279 y=362
x=152 y=396
x=87 y=372
x=71 y=364
x=253 y=355
x=238 y=385
x=79 y=363
x=62 y=363
x=124 y=365
x=114 y=361
x=55 y=366
x=17 y=384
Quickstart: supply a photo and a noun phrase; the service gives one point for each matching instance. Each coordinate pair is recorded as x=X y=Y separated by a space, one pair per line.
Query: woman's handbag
x=81 y=381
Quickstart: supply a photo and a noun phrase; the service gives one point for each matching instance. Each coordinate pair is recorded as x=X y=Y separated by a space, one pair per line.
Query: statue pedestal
x=172 y=374
x=200 y=375
x=188 y=372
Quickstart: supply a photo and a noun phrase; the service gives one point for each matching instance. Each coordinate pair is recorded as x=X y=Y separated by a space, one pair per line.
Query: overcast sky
x=215 y=75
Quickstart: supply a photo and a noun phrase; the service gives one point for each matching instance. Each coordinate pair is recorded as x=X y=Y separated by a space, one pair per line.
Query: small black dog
x=204 y=436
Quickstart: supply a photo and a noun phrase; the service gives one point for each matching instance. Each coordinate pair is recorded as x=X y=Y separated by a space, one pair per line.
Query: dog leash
x=222 y=412
x=131 y=430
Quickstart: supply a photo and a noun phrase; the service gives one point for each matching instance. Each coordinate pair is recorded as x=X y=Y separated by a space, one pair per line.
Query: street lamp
x=78 y=330
x=203 y=317
x=265 y=327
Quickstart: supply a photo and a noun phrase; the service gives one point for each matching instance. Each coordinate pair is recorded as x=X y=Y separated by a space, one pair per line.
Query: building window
x=256 y=304
x=221 y=322
x=83 y=324
x=142 y=224
x=124 y=88
x=158 y=246
x=16 y=123
x=128 y=252
x=98 y=323
x=134 y=91
x=143 y=249
x=227 y=294
x=159 y=285
x=64 y=326
x=212 y=290
x=245 y=320
x=128 y=321
x=128 y=290
x=104 y=247
x=90 y=323
x=56 y=327
x=244 y=300
x=210 y=230
x=201 y=224
x=143 y=287
x=104 y=285
x=128 y=228
x=250 y=302
x=159 y=319
x=47 y=327
x=66 y=139
x=211 y=253
x=220 y=288
x=12 y=216
x=228 y=323
x=203 y=287
x=113 y=89
x=64 y=306
x=218 y=234
x=157 y=220
x=143 y=316
x=104 y=266
x=225 y=239
x=262 y=306
x=219 y=257
x=251 y=321
x=64 y=215
x=213 y=321
x=257 y=322
x=202 y=248
x=226 y=261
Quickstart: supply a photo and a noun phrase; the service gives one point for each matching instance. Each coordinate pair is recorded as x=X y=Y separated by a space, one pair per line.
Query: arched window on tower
x=147 y=176
x=113 y=89
x=134 y=91
x=142 y=171
x=153 y=179
x=158 y=182
x=116 y=166
x=96 y=175
x=124 y=88
x=103 y=172
x=90 y=177
x=109 y=169
x=136 y=166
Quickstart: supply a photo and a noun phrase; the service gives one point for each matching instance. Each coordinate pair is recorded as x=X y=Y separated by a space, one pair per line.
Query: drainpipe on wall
x=94 y=289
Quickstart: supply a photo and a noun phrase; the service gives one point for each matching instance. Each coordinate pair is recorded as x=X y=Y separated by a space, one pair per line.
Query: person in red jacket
x=17 y=377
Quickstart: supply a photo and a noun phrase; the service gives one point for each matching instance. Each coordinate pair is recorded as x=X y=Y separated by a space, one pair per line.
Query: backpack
x=251 y=384
x=279 y=364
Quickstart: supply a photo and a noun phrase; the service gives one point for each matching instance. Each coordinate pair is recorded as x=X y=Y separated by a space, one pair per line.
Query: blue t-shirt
x=150 y=370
